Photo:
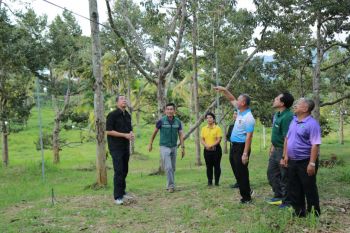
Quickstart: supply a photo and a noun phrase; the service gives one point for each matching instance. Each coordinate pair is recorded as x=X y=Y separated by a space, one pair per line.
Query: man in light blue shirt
x=241 y=139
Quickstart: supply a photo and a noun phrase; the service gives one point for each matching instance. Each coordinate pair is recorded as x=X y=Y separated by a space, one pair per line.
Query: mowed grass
x=63 y=202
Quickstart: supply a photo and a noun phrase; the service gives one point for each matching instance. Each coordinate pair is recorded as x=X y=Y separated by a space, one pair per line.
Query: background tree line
x=175 y=51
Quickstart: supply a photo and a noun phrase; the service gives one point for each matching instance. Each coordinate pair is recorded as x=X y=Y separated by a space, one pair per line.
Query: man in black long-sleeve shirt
x=119 y=134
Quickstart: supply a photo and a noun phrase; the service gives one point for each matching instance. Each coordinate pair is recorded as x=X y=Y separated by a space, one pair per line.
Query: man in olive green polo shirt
x=276 y=174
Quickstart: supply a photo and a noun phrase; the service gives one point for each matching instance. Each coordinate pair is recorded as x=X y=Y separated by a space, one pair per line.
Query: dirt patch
x=338 y=211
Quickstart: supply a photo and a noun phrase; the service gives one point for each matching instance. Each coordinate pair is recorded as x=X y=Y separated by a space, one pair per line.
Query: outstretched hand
x=183 y=153
x=219 y=88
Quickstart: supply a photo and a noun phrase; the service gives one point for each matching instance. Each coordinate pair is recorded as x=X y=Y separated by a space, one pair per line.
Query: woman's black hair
x=210 y=114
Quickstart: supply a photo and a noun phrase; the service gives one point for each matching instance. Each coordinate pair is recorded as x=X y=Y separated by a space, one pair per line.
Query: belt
x=239 y=143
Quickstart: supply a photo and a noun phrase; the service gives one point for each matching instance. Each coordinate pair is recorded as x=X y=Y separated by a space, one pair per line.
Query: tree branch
x=66 y=101
x=344 y=61
x=234 y=76
x=346 y=46
x=336 y=101
x=167 y=38
x=126 y=47
x=240 y=68
x=125 y=14
x=170 y=66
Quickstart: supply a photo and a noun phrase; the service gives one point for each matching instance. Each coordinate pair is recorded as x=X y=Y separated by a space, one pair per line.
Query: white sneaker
x=119 y=201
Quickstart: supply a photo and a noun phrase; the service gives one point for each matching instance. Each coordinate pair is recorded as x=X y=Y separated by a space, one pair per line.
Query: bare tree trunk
x=161 y=104
x=302 y=92
x=191 y=104
x=57 y=122
x=161 y=98
x=56 y=130
x=5 y=150
x=317 y=71
x=132 y=142
x=195 y=82
x=55 y=140
x=341 y=124
x=98 y=96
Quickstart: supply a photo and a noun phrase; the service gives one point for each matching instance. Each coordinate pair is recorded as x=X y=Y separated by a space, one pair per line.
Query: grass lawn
x=63 y=202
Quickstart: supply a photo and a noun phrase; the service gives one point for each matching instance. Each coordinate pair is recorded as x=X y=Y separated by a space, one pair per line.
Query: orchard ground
x=65 y=201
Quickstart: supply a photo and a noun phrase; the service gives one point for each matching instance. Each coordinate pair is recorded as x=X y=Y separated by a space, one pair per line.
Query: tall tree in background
x=161 y=36
x=19 y=60
x=161 y=30
x=98 y=96
x=338 y=86
x=295 y=18
x=195 y=97
x=233 y=34
x=331 y=18
x=63 y=46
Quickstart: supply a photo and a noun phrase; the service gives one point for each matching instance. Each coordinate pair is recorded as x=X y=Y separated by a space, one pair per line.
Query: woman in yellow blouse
x=211 y=135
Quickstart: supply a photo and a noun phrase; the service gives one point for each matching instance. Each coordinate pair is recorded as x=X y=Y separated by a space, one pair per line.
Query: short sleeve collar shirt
x=301 y=136
x=210 y=134
x=244 y=124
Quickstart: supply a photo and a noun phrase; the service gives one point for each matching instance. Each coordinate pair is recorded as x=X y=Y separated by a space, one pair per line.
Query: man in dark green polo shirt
x=170 y=128
x=276 y=174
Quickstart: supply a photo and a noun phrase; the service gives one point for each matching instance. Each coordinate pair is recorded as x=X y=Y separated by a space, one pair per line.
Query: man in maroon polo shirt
x=301 y=150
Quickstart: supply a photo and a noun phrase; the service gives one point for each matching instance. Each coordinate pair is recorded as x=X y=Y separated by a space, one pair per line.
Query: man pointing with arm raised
x=241 y=139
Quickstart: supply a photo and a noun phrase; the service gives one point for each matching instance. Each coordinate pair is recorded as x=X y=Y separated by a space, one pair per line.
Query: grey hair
x=310 y=104
x=246 y=98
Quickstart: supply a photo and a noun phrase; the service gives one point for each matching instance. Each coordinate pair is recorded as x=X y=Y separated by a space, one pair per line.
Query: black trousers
x=121 y=167
x=240 y=170
x=277 y=175
x=212 y=161
x=301 y=185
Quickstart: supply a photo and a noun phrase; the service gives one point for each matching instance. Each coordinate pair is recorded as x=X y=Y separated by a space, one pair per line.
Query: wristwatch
x=312 y=164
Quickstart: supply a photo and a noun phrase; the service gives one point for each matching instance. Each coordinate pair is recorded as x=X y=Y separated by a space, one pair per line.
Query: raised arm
x=227 y=94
